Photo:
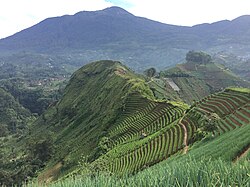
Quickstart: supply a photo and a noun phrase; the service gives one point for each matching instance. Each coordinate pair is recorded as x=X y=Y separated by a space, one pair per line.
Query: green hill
x=91 y=105
x=194 y=80
x=200 y=146
x=109 y=121
x=216 y=114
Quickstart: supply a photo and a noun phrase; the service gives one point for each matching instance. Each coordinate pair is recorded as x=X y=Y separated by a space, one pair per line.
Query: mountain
x=114 y=33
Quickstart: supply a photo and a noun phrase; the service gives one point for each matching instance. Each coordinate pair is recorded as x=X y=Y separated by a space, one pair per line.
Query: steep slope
x=108 y=110
x=92 y=103
x=114 y=33
x=217 y=114
x=108 y=120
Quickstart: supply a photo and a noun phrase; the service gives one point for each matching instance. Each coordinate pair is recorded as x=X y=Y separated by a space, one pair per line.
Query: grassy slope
x=127 y=146
x=95 y=102
x=208 y=163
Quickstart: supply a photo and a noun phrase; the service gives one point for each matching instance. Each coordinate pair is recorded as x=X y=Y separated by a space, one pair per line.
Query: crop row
x=224 y=103
x=134 y=108
x=153 y=151
x=156 y=148
x=161 y=116
x=236 y=119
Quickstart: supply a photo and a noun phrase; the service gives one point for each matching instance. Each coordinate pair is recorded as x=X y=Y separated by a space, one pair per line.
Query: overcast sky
x=16 y=15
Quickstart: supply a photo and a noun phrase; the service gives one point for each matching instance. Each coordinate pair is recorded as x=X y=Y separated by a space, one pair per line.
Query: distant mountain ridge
x=114 y=33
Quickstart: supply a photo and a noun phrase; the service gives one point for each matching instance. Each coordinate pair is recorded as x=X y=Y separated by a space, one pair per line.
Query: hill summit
x=93 y=101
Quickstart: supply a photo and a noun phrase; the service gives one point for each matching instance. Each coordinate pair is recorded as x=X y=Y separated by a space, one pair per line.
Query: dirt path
x=243 y=154
x=185 y=139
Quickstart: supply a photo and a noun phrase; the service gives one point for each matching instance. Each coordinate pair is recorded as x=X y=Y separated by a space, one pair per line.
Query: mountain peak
x=115 y=10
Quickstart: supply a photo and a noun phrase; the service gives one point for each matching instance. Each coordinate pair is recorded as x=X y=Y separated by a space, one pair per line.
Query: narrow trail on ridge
x=185 y=138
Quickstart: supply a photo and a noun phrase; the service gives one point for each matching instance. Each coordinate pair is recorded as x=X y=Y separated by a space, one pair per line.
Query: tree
x=150 y=72
x=198 y=57
x=3 y=130
x=41 y=149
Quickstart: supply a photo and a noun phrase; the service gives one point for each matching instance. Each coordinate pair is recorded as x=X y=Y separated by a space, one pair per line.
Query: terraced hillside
x=194 y=80
x=146 y=137
x=228 y=110
x=110 y=118
x=92 y=104
x=148 y=120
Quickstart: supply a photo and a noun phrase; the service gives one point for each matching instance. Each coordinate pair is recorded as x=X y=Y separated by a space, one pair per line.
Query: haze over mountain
x=114 y=33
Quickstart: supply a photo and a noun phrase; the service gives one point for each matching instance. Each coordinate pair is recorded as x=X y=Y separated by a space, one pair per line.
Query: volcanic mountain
x=114 y=33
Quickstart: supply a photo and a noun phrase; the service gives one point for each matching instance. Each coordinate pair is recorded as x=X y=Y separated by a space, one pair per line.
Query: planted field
x=158 y=130
x=145 y=121
x=151 y=150
x=143 y=152
x=236 y=119
x=225 y=102
x=231 y=106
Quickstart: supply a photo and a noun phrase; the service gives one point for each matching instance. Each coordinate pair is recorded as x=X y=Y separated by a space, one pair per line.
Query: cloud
x=183 y=12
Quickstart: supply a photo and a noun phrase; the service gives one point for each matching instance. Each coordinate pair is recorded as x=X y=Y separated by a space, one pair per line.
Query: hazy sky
x=16 y=15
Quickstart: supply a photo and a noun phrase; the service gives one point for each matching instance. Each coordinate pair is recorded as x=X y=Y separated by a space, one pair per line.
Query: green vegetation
x=150 y=72
x=198 y=57
x=191 y=173
x=245 y=90
x=195 y=79
x=92 y=103
x=13 y=117
x=109 y=122
x=208 y=163
x=36 y=81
